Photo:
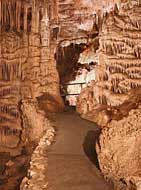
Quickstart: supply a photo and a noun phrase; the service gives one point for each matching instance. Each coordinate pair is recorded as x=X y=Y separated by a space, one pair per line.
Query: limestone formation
x=118 y=147
x=119 y=55
x=34 y=36
x=114 y=103
x=27 y=69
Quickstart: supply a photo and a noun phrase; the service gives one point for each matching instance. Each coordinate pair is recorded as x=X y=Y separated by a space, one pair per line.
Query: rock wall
x=27 y=70
x=118 y=146
x=119 y=54
x=77 y=17
x=114 y=103
x=119 y=151
x=10 y=96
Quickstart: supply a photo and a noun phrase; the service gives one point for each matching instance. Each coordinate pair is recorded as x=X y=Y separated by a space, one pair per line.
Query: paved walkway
x=72 y=158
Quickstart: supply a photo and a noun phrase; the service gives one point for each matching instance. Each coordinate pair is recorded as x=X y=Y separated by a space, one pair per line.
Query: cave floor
x=72 y=163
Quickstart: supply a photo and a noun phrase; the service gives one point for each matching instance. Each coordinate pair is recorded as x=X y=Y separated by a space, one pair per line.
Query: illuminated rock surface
x=114 y=103
x=43 y=45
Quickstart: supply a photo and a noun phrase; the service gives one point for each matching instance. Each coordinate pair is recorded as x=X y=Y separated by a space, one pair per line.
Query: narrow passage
x=72 y=158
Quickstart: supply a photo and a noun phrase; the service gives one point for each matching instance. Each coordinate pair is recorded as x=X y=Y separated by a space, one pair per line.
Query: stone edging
x=36 y=173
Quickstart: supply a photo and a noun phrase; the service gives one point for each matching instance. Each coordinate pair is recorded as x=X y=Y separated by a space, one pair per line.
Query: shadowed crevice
x=89 y=146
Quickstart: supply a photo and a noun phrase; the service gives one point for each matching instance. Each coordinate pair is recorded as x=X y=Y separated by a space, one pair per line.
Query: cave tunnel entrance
x=76 y=67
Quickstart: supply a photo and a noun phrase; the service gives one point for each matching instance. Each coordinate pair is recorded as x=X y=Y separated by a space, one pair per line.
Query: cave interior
x=70 y=88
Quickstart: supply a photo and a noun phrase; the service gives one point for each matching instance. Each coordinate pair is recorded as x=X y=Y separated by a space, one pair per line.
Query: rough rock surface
x=27 y=70
x=30 y=32
x=118 y=147
x=119 y=151
x=115 y=97
x=76 y=18
x=119 y=55
x=36 y=178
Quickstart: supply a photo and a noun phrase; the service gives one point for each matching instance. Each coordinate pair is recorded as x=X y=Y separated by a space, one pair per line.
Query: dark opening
x=89 y=146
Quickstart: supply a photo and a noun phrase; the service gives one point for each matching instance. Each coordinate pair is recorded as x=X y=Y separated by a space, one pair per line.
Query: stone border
x=35 y=179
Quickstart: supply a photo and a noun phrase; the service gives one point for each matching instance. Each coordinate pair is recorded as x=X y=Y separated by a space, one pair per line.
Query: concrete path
x=72 y=158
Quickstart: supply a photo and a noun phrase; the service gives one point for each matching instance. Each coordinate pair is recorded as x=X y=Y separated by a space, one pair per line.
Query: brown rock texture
x=114 y=103
x=30 y=32
x=76 y=17
x=119 y=151
x=10 y=121
x=36 y=178
x=119 y=55
x=118 y=146
x=27 y=70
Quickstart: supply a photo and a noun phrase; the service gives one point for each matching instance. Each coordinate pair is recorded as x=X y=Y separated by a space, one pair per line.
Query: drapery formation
x=27 y=65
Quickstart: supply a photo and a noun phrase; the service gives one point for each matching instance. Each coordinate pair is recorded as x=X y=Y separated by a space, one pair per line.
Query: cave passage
x=76 y=67
x=61 y=61
x=72 y=160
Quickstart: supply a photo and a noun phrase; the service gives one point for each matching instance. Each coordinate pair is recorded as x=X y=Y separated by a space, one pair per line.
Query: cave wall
x=30 y=33
x=76 y=17
x=27 y=70
x=10 y=74
x=119 y=55
x=113 y=101
x=118 y=146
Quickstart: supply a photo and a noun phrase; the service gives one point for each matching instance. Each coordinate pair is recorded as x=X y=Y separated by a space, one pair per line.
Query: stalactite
x=10 y=15
x=25 y=16
x=11 y=24
x=37 y=19
x=18 y=14
x=33 y=16
x=11 y=111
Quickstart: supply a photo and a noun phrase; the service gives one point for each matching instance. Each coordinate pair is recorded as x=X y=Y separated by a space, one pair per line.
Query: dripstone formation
x=27 y=69
x=114 y=103
x=32 y=34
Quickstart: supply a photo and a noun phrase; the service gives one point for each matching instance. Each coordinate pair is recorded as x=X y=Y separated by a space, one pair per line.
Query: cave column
x=45 y=43
x=18 y=14
x=35 y=17
x=50 y=77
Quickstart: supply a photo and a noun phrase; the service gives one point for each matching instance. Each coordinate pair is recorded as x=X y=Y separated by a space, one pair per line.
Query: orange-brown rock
x=51 y=103
x=118 y=146
x=115 y=101
x=30 y=32
x=27 y=69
